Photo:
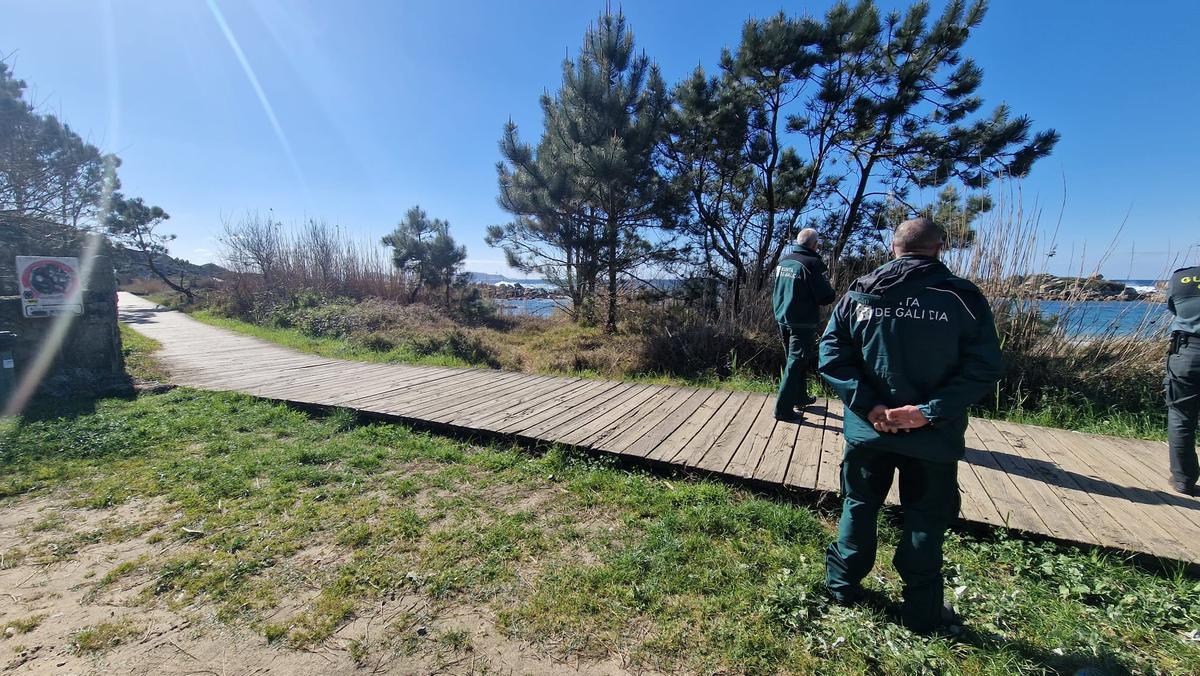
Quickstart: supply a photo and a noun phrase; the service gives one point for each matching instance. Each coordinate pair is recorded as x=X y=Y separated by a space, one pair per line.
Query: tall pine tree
x=594 y=180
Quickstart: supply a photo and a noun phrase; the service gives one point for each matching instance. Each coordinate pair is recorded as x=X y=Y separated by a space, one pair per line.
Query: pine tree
x=844 y=117
x=594 y=181
x=424 y=248
x=134 y=224
x=52 y=182
x=909 y=123
x=553 y=234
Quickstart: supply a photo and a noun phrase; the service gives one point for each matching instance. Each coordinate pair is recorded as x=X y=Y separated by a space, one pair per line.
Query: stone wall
x=88 y=361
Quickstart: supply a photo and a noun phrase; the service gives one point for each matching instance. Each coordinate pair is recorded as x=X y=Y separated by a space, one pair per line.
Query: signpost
x=50 y=286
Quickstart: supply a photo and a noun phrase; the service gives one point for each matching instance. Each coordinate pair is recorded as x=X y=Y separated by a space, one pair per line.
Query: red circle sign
x=49 y=272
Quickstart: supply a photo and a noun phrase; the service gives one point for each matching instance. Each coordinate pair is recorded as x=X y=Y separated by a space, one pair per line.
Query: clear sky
x=357 y=110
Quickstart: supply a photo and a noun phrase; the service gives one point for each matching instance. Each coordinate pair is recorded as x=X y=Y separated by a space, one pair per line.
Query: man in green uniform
x=801 y=288
x=1183 y=378
x=908 y=349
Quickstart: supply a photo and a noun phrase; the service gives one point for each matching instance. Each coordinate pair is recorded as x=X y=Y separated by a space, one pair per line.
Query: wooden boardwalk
x=1066 y=485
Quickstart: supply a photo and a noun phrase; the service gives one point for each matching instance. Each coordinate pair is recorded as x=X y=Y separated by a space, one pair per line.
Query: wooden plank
x=546 y=429
x=431 y=380
x=829 y=473
x=663 y=429
x=1153 y=485
x=636 y=415
x=1113 y=489
x=310 y=385
x=658 y=408
x=537 y=423
x=976 y=504
x=495 y=385
x=1060 y=521
x=379 y=384
x=506 y=399
x=749 y=453
x=575 y=434
x=778 y=454
x=806 y=453
x=692 y=452
x=1104 y=511
x=397 y=399
x=635 y=433
x=720 y=454
x=1013 y=509
x=543 y=405
x=669 y=447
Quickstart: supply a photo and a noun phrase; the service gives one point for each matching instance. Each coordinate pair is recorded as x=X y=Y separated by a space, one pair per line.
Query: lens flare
x=258 y=90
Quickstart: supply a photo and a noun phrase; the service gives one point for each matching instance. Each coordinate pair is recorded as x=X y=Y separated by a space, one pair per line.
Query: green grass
x=136 y=350
x=1066 y=412
x=22 y=625
x=105 y=636
x=567 y=552
x=330 y=347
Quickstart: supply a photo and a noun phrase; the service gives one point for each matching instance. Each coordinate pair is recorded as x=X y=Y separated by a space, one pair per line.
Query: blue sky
x=381 y=105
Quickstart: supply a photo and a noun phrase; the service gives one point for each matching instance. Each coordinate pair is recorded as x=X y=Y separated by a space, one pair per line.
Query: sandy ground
x=42 y=579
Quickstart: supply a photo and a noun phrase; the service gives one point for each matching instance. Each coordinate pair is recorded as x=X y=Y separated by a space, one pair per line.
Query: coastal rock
x=1094 y=288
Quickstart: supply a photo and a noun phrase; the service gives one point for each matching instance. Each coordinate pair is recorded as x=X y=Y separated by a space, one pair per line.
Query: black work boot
x=949 y=623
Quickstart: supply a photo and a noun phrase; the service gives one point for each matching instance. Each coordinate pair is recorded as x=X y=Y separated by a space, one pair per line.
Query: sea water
x=1107 y=317
x=1084 y=318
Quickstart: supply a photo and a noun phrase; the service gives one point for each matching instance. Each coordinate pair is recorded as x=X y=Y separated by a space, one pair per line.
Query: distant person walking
x=909 y=348
x=1183 y=378
x=801 y=288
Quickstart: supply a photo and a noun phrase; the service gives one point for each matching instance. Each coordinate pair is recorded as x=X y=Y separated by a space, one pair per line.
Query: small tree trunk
x=610 y=325
x=187 y=293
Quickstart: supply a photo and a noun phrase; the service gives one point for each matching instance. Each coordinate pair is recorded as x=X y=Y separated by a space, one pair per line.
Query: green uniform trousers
x=801 y=346
x=1183 y=408
x=929 y=502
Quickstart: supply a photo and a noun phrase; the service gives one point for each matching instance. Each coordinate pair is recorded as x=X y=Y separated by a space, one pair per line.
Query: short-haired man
x=1183 y=378
x=801 y=288
x=909 y=348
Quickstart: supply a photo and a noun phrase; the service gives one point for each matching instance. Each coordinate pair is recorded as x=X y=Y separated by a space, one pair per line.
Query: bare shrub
x=268 y=258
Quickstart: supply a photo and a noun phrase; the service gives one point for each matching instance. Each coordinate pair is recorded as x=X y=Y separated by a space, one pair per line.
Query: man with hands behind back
x=908 y=349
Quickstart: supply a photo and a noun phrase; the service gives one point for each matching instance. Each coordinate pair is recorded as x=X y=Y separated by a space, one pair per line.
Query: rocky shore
x=515 y=291
x=1093 y=288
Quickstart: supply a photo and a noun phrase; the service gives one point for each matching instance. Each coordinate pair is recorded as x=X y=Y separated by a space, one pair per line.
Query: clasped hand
x=893 y=420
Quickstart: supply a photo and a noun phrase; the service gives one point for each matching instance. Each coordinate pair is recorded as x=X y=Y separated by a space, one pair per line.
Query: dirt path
x=74 y=600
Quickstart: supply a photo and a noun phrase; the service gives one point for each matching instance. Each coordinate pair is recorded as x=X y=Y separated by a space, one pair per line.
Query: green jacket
x=911 y=332
x=1183 y=300
x=801 y=288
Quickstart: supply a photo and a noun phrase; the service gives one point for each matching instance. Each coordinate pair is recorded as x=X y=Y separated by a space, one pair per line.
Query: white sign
x=50 y=286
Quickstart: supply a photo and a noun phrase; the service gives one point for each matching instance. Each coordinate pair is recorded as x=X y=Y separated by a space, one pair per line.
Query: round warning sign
x=49 y=285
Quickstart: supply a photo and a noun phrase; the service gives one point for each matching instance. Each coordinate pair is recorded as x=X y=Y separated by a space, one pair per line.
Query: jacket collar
x=899 y=276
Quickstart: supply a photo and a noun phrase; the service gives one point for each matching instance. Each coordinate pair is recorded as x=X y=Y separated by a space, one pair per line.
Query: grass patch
x=1065 y=411
x=137 y=351
x=22 y=625
x=120 y=571
x=339 y=348
x=568 y=552
x=105 y=636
